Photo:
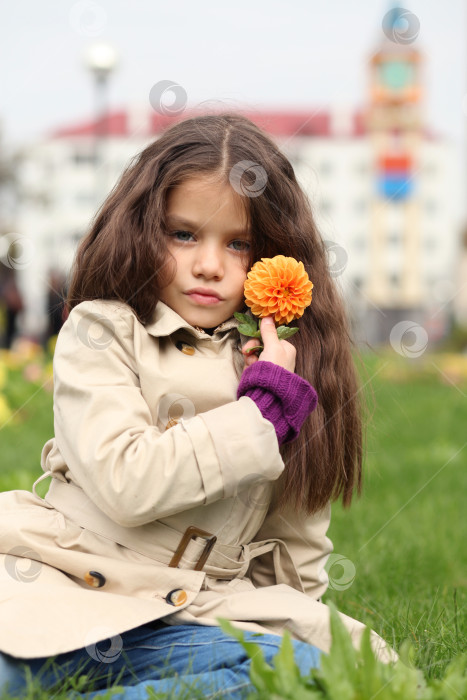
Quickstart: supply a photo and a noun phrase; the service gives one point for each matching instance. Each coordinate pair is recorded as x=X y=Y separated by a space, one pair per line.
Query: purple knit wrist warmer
x=283 y=397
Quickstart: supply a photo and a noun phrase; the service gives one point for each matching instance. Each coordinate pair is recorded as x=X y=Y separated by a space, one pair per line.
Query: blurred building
x=64 y=180
x=388 y=196
x=460 y=300
x=385 y=191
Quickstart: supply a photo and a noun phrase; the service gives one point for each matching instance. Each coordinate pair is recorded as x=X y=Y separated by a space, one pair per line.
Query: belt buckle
x=187 y=536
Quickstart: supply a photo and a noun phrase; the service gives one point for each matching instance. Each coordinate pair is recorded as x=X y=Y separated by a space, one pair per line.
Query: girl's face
x=210 y=241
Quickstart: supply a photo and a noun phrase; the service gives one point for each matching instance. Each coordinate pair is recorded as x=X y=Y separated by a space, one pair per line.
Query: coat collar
x=166 y=321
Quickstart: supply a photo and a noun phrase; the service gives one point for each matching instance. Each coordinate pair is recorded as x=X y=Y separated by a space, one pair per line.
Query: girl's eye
x=185 y=236
x=240 y=246
x=181 y=235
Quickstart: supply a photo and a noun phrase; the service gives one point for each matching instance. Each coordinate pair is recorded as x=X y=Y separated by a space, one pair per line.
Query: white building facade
x=65 y=180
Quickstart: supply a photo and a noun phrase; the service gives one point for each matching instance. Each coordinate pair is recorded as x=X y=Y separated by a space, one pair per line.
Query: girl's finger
x=268 y=331
x=250 y=359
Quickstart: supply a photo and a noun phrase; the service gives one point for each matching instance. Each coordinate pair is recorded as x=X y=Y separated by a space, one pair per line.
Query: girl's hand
x=280 y=352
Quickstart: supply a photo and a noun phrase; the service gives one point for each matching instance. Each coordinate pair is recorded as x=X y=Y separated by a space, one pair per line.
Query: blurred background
x=368 y=100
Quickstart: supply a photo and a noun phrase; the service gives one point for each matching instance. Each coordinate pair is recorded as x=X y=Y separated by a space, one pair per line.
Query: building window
x=430 y=243
x=359 y=244
x=325 y=206
x=430 y=168
x=362 y=168
x=431 y=206
x=357 y=283
x=85 y=197
x=360 y=205
x=326 y=167
x=84 y=158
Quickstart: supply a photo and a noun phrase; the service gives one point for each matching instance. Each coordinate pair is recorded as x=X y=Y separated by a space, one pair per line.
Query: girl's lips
x=203 y=299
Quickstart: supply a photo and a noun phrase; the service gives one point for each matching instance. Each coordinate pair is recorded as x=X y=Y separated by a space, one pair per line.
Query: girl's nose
x=208 y=263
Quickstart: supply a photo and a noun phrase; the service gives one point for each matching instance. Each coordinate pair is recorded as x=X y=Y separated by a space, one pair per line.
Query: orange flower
x=278 y=287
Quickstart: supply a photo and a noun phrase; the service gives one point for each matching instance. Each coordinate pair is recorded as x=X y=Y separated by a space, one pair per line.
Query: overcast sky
x=260 y=53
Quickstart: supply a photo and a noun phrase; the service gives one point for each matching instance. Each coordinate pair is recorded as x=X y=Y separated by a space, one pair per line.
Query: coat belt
x=159 y=541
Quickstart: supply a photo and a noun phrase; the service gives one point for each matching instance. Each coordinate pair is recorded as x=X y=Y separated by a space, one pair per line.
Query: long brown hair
x=124 y=257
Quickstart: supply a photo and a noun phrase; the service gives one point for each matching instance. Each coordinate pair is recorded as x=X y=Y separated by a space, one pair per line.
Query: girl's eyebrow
x=180 y=221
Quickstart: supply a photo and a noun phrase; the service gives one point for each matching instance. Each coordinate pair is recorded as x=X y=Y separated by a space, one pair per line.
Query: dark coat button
x=185 y=347
x=94 y=579
x=176 y=597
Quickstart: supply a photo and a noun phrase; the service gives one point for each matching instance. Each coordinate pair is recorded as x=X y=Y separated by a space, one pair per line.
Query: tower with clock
x=395 y=129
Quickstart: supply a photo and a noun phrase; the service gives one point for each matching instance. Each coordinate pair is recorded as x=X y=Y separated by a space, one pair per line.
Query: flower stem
x=256 y=347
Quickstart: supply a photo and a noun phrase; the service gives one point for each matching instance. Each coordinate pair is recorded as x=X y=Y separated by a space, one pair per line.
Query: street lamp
x=101 y=59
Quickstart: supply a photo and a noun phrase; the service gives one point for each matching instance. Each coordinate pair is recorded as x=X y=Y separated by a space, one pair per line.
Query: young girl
x=191 y=479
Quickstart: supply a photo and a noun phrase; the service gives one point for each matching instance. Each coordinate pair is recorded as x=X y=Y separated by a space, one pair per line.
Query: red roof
x=278 y=122
x=115 y=124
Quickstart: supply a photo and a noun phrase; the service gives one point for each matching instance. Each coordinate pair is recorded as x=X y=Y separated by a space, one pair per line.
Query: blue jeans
x=168 y=659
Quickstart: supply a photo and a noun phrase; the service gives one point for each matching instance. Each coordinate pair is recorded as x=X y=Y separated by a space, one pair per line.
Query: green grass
x=405 y=536
x=24 y=435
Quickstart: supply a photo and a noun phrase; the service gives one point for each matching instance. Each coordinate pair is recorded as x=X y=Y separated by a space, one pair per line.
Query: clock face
x=396 y=75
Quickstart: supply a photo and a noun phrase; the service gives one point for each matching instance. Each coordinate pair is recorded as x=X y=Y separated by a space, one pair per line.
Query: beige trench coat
x=149 y=440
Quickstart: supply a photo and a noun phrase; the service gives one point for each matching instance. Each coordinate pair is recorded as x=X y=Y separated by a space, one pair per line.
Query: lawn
x=400 y=560
x=406 y=535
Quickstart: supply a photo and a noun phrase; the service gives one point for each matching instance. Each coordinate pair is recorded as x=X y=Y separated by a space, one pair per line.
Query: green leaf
x=284 y=332
x=454 y=683
x=338 y=669
x=249 y=330
x=347 y=672
x=248 y=325
x=287 y=671
x=251 y=648
x=345 y=649
x=369 y=675
x=243 y=318
x=283 y=682
x=261 y=674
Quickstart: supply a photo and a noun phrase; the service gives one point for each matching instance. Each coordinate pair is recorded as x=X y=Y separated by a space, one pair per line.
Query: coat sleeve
x=106 y=435
x=305 y=538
